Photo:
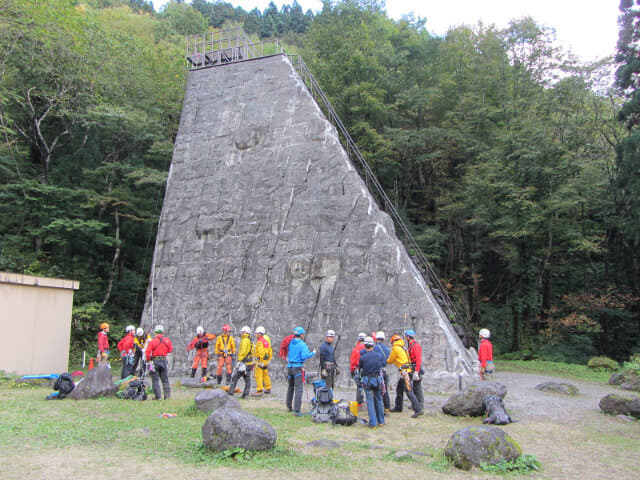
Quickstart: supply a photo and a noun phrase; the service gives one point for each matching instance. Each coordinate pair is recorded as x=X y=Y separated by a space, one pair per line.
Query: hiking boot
x=395 y=410
x=387 y=411
x=299 y=414
x=267 y=392
x=256 y=394
x=417 y=414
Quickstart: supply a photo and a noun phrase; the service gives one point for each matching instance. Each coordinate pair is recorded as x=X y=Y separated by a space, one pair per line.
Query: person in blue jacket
x=370 y=365
x=298 y=354
x=385 y=351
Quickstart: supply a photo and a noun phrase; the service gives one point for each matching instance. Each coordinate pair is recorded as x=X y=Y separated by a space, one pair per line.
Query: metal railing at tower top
x=227 y=46
x=454 y=315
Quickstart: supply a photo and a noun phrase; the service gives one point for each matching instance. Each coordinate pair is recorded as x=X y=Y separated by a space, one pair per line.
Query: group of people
x=369 y=360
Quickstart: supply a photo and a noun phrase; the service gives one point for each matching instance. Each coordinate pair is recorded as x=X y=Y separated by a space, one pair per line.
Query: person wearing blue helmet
x=297 y=355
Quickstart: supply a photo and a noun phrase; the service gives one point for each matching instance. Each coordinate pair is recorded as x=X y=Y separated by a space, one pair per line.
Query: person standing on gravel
x=485 y=355
x=298 y=353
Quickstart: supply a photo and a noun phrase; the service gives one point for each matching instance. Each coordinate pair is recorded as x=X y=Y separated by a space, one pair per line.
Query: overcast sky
x=586 y=27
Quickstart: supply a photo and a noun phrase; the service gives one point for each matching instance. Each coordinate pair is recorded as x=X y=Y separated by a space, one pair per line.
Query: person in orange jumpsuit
x=201 y=343
x=225 y=349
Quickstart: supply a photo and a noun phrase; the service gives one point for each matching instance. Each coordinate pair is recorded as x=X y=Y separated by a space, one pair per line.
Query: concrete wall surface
x=265 y=221
x=35 y=321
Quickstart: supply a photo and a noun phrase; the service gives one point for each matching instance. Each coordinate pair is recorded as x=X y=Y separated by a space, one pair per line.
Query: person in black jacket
x=370 y=364
x=328 y=365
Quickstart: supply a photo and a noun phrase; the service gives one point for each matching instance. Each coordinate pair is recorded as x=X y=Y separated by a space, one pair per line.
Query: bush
x=603 y=363
x=632 y=366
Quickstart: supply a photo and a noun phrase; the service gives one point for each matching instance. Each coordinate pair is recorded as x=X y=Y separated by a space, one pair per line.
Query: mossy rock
x=483 y=444
x=554 y=387
x=603 y=363
x=614 y=404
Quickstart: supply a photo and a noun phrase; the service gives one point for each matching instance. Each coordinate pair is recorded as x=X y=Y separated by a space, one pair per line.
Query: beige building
x=35 y=323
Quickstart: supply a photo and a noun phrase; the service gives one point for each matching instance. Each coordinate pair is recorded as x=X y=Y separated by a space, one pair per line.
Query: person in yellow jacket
x=225 y=350
x=263 y=355
x=400 y=359
x=244 y=364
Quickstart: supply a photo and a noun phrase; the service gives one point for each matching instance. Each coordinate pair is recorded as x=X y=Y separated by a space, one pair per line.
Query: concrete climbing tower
x=266 y=221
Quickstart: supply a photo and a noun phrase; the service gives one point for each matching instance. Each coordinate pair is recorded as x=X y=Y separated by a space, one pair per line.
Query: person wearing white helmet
x=201 y=343
x=385 y=351
x=263 y=355
x=485 y=355
x=126 y=347
x=156 y=353
x=140 y=343
x=245 y=363
x=328 y=366
x=353 y=367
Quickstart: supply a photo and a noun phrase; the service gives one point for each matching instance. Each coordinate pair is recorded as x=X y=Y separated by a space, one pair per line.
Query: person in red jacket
x=157 y=350
x=127 y=351
x=103 y=344
x=353 y=367
x=485 y=355
x=415 y=357
x=201 y=343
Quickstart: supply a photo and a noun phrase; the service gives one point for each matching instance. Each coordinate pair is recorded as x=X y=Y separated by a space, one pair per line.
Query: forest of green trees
x=516 y=167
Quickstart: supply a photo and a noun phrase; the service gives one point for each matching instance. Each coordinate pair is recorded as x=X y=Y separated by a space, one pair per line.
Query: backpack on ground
x=321 y=403
x=135 y=391
x=64 y=385
x=341 y=414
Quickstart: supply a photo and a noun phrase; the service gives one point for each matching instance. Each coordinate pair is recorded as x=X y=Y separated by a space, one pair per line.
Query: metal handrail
x=227 y=46
x=383 y=200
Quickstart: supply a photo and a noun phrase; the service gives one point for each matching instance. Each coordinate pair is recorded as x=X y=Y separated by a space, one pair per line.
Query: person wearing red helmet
x=225 y=349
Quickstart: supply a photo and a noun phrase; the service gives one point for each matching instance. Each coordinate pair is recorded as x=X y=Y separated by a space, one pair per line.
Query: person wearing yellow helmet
x=400 y=359
x=103 y=343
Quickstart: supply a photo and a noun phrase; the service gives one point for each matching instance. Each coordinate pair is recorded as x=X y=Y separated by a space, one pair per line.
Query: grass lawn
x=113 y=438
x=554 y=369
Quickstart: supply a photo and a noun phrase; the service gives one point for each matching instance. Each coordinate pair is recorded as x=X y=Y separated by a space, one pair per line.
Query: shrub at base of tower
x=231 y=428
x=483 y=445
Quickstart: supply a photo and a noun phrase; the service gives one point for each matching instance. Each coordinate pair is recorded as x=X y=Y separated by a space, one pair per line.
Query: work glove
x=324 y=373
x=416 y=376
x=314 y=351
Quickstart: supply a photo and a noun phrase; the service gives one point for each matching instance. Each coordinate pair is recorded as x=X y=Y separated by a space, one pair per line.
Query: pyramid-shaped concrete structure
x=265 y=221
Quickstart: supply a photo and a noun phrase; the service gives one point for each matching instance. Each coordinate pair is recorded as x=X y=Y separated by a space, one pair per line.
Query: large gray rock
x=265 y=221
x=613 y=404
x=98 y=382
x=470 y=402
x=473 y=446
x=554 y=387
x=230 y=428
x=211 y=400
x=616 y=379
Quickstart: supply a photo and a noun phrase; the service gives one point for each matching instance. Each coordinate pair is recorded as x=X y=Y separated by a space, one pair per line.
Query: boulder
x=616 y=379
x=632 y=382
x=232 y=428
x=473 y=446
x=211 y=400
x=470 y=402
x=613 y=404
x=98 y=382
x=554 y=387
x=323 y=443
x=193 y=382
